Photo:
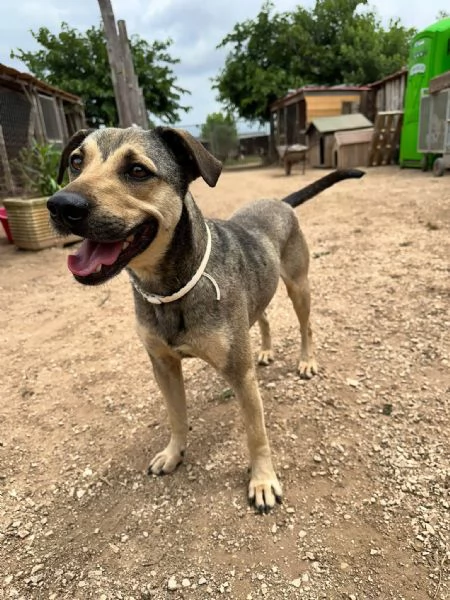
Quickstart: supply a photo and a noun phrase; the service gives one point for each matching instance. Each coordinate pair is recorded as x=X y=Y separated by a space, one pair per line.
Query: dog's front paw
x=307 y=368
x=265 y=357
x=166 y=462
x=264 y=491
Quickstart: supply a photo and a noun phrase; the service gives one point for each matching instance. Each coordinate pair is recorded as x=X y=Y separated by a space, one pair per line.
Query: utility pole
x=117 y=64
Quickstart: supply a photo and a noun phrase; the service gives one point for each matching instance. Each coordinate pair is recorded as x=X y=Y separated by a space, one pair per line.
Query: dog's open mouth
x=96 y=262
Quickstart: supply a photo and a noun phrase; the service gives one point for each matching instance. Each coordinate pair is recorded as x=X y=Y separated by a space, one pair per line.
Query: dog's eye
x=138 y=172
x=75 y=163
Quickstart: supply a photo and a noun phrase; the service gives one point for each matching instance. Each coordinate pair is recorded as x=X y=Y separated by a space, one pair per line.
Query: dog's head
x=125 y=195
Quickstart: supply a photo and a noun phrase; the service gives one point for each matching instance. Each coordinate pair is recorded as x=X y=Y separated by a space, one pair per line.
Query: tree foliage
x=221 y=133
x=335 y=42
x=78 y=63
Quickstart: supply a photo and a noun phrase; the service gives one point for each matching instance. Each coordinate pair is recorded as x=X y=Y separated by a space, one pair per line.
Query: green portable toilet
x=429 y=57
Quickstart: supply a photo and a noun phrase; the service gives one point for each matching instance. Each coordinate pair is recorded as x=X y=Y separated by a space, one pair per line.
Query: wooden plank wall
x=327 y=106
x=391 y=95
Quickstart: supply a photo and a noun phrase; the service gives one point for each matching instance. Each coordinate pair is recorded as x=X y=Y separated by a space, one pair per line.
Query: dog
x=198 y=284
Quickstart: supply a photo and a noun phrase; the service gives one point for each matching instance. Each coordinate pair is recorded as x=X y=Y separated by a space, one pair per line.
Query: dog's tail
x=320 y=185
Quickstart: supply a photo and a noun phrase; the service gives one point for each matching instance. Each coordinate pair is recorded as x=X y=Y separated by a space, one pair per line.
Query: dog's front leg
x=264 y=488
x=169 y=376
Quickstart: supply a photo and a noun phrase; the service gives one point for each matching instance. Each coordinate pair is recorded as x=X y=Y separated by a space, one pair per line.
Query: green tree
x=221 y=133
x=78 y=63
x=336 y=42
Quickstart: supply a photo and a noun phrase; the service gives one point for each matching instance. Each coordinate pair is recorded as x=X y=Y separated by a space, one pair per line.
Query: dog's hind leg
x=265 y=355
x=294 y=272
x=169 y=376
x=300 y=296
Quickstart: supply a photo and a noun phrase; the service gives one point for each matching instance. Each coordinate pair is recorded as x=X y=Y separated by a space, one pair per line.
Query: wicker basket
x=28 y=220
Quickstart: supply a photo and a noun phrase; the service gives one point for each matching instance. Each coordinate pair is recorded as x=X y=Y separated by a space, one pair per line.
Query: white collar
x=156 y=299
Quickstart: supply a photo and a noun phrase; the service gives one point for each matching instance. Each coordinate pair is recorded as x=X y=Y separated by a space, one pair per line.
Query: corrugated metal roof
x=8 y=73
x=355 y=136
x=340 y=123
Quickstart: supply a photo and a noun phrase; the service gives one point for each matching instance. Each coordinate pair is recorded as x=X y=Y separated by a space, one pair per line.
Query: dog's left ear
x=73 y=143
x=191 y=154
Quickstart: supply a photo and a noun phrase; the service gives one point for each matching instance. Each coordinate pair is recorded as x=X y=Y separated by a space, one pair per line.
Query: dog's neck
x=181 y=257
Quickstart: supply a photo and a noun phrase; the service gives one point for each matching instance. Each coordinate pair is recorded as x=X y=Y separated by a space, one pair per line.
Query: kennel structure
x=32 y=109
x=434 y=131
x=322 y=143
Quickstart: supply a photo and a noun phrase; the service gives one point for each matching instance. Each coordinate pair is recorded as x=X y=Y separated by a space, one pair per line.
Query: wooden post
x=130 y=76
x=116 y=62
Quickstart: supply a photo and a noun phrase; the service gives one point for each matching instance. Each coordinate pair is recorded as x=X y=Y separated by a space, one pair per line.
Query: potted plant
x=28 y=217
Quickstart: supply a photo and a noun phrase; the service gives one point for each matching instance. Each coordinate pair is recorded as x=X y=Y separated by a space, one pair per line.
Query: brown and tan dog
x=199 y=284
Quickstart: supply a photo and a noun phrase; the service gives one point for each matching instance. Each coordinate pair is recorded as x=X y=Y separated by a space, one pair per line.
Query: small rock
x=114 y=548
x=202 y=581
x=317 y=458
x=8 y=579
x=296 y=583
x=172 y=584
x=302 y=533
x=274 y=528
x=352 y=382
x=23 y=533
x=185 y=582
x=37 y=568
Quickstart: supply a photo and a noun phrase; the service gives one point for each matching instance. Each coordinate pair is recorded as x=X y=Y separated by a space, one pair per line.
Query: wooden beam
x=116 y=62
x=440 y=83
x=137 y=115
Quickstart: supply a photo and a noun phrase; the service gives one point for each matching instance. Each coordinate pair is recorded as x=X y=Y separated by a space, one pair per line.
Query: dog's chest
x=163 y=331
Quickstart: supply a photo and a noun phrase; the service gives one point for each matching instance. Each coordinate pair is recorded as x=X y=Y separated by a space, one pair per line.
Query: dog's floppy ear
x=73 y=143
x=191 y=154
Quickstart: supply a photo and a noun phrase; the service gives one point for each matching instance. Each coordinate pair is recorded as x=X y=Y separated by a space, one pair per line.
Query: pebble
x=172 y=584
x=185 y=582
x=296 y=583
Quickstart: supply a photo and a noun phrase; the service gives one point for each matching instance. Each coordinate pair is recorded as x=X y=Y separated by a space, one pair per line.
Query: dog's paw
x=165 y=462
x=307 y=368
x=265 y=357
x=264 y=492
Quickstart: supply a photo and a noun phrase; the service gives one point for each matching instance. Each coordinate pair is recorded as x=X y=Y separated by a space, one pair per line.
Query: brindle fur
x=250 y=252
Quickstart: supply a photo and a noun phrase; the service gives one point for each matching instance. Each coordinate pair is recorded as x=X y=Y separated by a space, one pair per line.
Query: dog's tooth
x=130 y=239
x=98 y=269
x=125 y=245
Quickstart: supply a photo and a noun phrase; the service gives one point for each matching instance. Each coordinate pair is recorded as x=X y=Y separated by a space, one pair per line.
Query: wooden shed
x=291 y=114
x=32 y=109
x=321 y=136
x=351 y=148
x=387 y=94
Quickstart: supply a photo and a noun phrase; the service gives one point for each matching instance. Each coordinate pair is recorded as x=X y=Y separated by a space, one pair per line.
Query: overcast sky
x=196 y=27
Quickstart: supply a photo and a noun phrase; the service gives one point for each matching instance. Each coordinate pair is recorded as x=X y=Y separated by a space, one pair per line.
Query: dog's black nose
x=68 y=207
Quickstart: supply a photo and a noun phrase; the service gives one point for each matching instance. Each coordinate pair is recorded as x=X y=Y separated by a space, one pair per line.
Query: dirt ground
x=362 y=449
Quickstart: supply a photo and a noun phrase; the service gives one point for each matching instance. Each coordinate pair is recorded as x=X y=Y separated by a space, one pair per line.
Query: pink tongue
x=92 y=254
